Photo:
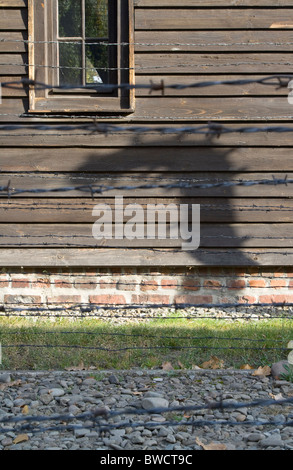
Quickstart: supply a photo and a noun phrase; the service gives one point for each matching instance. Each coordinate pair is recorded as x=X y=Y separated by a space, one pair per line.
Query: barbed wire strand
x=99 y=417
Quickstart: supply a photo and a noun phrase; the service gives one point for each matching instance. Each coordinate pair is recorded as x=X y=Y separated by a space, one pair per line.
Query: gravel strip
x=71 y=393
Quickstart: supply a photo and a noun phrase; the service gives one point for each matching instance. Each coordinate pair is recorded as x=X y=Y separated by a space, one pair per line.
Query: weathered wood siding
x=180 y=42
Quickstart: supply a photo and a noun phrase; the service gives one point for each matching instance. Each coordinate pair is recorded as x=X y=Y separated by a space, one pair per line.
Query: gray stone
x=278 y=369
x=81 y=432
x=254 y=437
x=113 y=379
x=57 y=392
x=274 y=440
x=149 y=403
x=5 y=378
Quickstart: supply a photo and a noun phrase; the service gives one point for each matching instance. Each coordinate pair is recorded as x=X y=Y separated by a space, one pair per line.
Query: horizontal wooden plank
x=133 y=185
x=211 y=235
x=214 y=210
x=148 y=159
x=213 y=109
x=12 y=87
x=184 y=109
x=146 y=257
x=13 y=3
x=222 y=41
x=13 y=64
x=216 y=63
x=151 y=135
x=205 y=19
x=212 y=3
x=13 y=19
x=13 y=42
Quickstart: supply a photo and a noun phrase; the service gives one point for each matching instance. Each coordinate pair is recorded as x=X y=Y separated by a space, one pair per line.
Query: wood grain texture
x=216 y=63
x=13 y=3
x=210 y=19
x=13 y=19
x=212 y=3
x=178 y=42
x=153 y=136
x=222 y=41
x=149 y=159
x=212 y=210
x=211 y=236
x=83 y=257
x=185 y=109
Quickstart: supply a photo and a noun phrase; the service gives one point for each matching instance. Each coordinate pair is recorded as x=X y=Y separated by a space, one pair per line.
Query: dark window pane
x=70 y=63
x=70 y=20
x=97 y=63
x=96 y=18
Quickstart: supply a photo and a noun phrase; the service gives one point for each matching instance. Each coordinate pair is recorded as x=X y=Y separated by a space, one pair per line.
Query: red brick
x=278 y=283
x=236 y=284
x=169 y=283
x=148 y=285
x=22 y=299
x=275 y=298
x=20 y=283
x=4 y=283
x=156 y=299
x=247 y=299
x=192 y=284
x=85 y=283
x=41 y=282
x=290 y=284
x=212 y=284
x=107 y=299
x=193 y=299
x=64 y=299
x=257 y=283
x=107 y=284
x=63 y=283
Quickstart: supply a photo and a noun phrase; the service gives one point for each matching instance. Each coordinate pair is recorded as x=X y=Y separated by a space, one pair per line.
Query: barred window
x=77 y=47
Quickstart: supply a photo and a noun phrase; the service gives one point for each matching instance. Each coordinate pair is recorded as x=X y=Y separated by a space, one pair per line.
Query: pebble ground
x=71 y=393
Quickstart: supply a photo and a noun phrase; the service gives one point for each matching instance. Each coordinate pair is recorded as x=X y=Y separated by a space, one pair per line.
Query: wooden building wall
x=180 y=42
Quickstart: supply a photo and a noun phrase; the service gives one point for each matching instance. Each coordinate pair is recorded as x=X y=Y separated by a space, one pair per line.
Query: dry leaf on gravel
x=246 y=367
x=262 y=371
x=20 y=438
x=211 y=446
x=25 y=410
x=213 y=363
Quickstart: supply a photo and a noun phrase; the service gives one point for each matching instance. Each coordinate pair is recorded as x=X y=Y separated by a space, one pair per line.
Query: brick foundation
x=164 y=286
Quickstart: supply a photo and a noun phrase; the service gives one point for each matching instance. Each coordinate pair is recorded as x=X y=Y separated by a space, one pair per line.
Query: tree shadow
x=169 y=159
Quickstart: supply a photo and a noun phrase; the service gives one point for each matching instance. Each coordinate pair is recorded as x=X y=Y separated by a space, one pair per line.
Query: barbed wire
x=281 y=79
x=84 y=206
x=93 y=189
x=156 y=44
x=209 y=129
x=149 y=67
x=122 y=283
x=134 y=335
x=100 y=417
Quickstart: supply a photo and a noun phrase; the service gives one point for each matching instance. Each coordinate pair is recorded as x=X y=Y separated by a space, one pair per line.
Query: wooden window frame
x=43 y=65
